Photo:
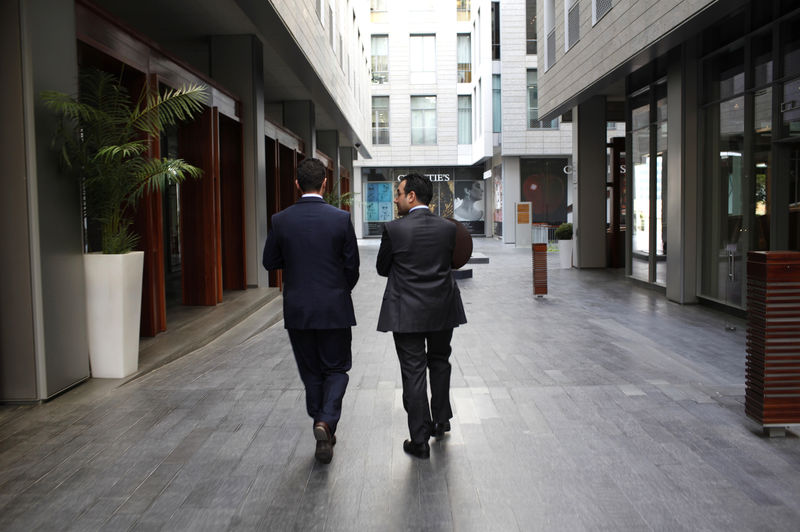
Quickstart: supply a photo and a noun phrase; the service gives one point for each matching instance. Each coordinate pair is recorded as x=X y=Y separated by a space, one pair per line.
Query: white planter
x=565 y=253
x=113 y=306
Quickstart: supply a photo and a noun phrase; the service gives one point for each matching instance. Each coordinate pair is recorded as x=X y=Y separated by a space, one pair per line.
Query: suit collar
x=420 y=211
x=310 y=199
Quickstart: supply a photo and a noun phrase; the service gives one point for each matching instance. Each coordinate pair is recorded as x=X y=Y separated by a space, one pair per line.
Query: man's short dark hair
x=421 y=186
x=310 y=174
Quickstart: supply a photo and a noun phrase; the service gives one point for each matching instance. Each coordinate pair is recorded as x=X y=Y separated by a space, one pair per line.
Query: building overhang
x=181 y=25
x=612 y=83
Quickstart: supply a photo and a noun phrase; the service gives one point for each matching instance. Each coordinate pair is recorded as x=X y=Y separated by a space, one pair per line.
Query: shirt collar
x=419 y=207
x=312 y=196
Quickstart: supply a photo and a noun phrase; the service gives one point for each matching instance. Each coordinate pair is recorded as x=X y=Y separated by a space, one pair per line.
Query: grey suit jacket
x=421 y=294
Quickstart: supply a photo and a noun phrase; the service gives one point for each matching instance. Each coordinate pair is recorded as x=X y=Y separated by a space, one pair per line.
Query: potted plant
x=564 y=236
x=103 y=139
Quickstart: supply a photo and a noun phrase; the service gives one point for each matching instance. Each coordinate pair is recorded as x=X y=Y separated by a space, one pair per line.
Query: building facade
x=286 y=80
x=454 y=97
x=710 y=91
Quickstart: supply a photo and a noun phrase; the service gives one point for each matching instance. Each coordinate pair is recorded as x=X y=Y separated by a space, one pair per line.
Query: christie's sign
x=432 y=177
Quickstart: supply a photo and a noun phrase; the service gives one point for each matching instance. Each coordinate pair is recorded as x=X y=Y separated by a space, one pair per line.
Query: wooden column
x=149 y=225
x=234 y=270
x=200 y=226
x=772 y=378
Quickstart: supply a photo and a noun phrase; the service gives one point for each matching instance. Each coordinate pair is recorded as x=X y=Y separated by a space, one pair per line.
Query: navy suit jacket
x=315 y=245
x=421 y=294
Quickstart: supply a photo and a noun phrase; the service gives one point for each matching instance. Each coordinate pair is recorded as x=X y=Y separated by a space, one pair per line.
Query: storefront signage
x=432 y=177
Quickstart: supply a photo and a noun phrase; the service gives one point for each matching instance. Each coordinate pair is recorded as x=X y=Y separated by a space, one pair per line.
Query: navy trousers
x=415 y=363
x=323 y=359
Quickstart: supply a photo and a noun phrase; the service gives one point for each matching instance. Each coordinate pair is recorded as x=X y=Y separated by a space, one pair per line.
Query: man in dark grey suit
x=421 y=304
x=315 y=245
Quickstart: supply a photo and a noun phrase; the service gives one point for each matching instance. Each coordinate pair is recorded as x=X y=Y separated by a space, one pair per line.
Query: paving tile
x=599 y=407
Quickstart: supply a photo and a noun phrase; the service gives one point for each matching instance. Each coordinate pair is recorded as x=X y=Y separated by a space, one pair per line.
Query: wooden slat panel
x=539 y=269
x=772 y=380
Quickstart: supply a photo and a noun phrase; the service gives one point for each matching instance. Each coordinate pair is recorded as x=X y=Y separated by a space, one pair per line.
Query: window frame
x=426 y=112
x=385 y=79
x=468 y=98
x=377 y=128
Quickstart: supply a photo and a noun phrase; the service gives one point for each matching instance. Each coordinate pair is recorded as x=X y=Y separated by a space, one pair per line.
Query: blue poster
x=372 y=192
x=385 y=192
x=372 y=211
x=385 y=211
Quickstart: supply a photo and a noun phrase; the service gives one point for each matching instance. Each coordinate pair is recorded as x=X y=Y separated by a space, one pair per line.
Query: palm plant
x=103 y=139
x=339 y=200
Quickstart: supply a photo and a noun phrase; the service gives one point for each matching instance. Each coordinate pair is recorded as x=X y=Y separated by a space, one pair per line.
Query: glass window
x=380 y=58
x=724 y=216
x=600 y=8
x=724 y=76
x=464 y=58
x=377 y=11
x=422 y=59
x=573 y=23
x=497 y=115
x=380 y=120
x=533 y=99
x=495 y=30
x=462 y=10
x=762 y=163
x=762 y=60
x=330 y=26
x=423 y=120
x=533 y=104
x=790 y=108
x=661 y=187
x=530 y=27
x=640 y=191
x=464 y=119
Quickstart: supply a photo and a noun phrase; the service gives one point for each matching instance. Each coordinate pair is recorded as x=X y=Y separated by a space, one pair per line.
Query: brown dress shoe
x=325 y=442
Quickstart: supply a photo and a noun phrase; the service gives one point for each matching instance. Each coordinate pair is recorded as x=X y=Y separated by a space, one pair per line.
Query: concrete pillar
x=511 y=196
x=43 y=333
x=328 y=143
x=589 y=208
x=682 y=164
x=237 y=63
x=299 y=118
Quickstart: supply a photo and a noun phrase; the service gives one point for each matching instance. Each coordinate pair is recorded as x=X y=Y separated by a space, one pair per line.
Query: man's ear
x=297 y=184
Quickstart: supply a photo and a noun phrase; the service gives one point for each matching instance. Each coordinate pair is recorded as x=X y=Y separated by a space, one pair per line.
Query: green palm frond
x=154 y=174
x=154 y=112
x=103 y=140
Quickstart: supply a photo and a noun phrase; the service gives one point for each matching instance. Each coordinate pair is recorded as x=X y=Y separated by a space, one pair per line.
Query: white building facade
x=454 y=97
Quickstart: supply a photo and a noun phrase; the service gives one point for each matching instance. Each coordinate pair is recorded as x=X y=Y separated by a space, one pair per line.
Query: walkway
x=599 y=407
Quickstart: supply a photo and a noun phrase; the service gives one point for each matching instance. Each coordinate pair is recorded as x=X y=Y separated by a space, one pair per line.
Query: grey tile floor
x=601 y=406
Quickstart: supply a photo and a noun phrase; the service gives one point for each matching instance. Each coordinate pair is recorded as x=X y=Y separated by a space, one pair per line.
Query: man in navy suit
x=315 y=245
x=421 y=305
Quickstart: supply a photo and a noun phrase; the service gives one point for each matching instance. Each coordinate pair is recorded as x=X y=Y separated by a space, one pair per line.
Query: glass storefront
x=648 y=183
x=458 y=192
x=544 y=184
x=749 y=166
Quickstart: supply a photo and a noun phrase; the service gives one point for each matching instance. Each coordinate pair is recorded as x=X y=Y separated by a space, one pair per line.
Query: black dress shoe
x=325 y=442
x=440 y=428
x=420 y=450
